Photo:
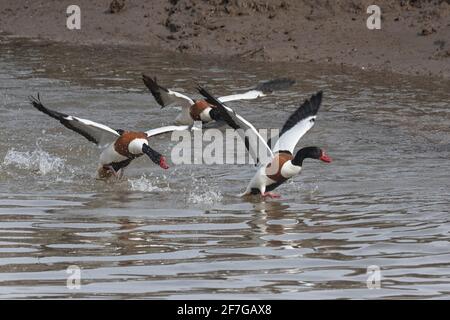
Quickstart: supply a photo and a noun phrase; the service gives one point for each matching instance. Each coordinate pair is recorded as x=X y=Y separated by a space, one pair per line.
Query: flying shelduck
x=120 y=147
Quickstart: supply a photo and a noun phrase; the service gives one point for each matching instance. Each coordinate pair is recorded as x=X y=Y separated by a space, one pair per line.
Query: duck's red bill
x=325 y=158
x=163 y=163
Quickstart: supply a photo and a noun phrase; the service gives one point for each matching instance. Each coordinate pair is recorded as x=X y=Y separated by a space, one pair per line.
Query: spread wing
x=166 y=97
x=97 y=133
x=298 y=124
x=158 y=131
x=249 y=134
x=261 y=90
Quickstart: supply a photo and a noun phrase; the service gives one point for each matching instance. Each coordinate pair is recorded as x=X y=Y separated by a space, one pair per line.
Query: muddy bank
x=414 y=36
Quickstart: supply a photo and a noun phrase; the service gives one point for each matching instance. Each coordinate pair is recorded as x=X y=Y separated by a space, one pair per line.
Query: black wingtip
x=308 y=108
x=154 y=88
x=37 y=104
x=209 y=97
x=149 y=82
x=311 y=105
x=223 y=115
x=319 y=94
x=275 y=84
x=147 y=78
x=35 y=101
x=316 y=100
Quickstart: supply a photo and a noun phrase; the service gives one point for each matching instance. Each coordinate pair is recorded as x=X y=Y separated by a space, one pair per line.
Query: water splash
x=146 y=184
x=201 y=193
x=37 y=160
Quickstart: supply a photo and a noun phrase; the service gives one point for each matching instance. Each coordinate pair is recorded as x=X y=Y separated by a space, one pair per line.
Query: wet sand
x=413 y=38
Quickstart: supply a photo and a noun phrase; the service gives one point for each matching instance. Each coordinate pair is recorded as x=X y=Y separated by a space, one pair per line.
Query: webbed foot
x=270 y=195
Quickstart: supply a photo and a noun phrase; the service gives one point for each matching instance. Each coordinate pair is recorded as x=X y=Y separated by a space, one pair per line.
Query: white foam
x=201 y=193
x=37 y=160
x=146 y=184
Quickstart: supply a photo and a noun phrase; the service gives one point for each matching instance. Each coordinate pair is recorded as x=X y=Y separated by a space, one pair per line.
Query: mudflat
x=413 y=39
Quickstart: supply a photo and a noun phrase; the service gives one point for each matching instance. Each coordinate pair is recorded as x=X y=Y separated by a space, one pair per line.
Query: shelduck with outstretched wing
x=261 y=90
x=166 y=97
x=203 y=110
x=252 y=138
x=300 y=122
x=283 y=165
x=119 y=147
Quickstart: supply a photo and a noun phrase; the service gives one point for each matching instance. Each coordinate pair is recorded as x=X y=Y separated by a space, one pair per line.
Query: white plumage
x=289 y=139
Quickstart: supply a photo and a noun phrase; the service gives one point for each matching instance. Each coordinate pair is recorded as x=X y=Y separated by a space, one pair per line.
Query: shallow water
x=182 y=233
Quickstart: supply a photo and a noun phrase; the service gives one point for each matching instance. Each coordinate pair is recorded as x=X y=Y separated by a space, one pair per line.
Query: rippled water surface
x=182 y=233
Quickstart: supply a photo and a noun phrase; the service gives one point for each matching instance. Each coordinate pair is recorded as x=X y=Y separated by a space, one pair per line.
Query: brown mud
x=414 y=37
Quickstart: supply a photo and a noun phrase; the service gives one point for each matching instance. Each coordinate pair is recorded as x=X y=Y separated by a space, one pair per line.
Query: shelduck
x=204 y=110
x=282 y=164
x=120 y=147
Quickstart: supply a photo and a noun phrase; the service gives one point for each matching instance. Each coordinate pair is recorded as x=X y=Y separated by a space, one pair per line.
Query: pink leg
x=120 y=174
x=270 y=195
x=114 y=172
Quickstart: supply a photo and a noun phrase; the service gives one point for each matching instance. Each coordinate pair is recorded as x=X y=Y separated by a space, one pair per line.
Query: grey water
x=182 y=233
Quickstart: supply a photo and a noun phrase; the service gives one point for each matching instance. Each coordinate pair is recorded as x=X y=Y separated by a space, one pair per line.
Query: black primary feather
x=274 y=85
x=154 y=88
x=223 y=112
x=36 y=102
x=309 y=108
x=224 y=116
